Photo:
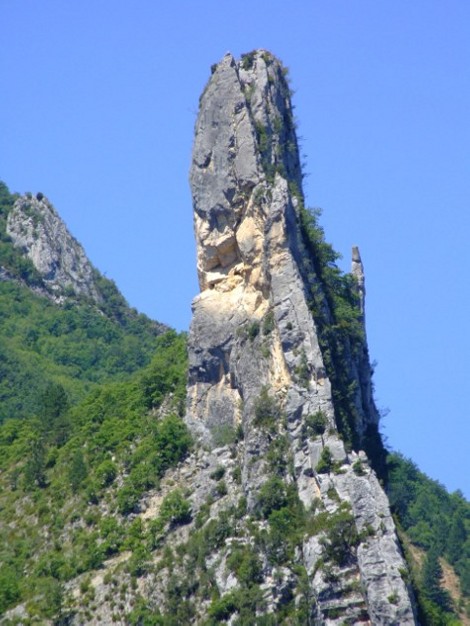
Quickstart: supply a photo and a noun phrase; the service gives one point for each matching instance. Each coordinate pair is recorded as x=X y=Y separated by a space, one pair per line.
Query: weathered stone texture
x=36 y=228
x=246 y=186
x=253 y=336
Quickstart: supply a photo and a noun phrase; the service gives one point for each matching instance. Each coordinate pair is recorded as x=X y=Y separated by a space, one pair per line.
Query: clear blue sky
x=97 y=108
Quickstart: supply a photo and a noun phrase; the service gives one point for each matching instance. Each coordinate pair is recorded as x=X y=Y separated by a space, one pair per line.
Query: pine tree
x=456 y=538
x=35 y=469
x=431 y=577
x=77 y=470
x=53 y=406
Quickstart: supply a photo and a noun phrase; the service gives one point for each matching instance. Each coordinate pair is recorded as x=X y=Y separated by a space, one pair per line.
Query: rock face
x=36 y=228
x=277 y=517
x=261 y=365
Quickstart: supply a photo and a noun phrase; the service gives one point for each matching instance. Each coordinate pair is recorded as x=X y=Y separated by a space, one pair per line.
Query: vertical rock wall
x=254 y=340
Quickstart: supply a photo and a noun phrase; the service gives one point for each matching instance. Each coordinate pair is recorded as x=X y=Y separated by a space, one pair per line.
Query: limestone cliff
x=38 y=231
x=261 y=363
x=277 y=516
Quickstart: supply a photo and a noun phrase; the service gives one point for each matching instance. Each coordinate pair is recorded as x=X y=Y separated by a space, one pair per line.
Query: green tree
x=431 y=577
x=175 y=508
x=53 y=405
x=457 y=537
x=35 y=468
x=314 y=425
x=325 y=464
x=77 y=470
x=246 y=565
x=9 y=587
x=172 y=440
x=53 y=402
x=267 y=411
x=272 y=496
x=49 y=600
x=341 y=537
x=106 y=472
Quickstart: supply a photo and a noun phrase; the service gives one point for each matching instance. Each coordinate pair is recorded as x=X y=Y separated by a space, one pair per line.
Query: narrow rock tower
x=279 y=391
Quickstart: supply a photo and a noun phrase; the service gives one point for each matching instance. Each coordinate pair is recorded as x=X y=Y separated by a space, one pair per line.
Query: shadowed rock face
x=253 y=337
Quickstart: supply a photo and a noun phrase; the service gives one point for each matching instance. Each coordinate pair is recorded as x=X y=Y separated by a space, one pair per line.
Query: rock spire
x=269 y=361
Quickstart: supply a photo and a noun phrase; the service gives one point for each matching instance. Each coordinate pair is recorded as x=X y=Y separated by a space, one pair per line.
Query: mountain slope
x=251 y=494
x=434 y=528
x=61 y=321
x=66 y=331
x=72 y=477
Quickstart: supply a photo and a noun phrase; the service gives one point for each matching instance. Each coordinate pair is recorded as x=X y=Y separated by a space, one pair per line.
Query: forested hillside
x=72 y=479
x=95 y=457
x=74 y=343
x=436 y=534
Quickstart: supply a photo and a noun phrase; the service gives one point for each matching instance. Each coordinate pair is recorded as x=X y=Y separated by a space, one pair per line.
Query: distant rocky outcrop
x=38 y=231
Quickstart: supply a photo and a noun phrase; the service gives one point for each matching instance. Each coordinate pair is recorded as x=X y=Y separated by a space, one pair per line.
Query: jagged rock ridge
x=36 y=228
x=253 y=337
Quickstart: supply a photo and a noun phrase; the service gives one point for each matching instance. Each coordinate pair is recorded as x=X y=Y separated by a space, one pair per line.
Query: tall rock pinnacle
x=278 y=356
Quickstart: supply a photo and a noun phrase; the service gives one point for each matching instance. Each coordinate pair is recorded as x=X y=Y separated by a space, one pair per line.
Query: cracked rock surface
x=289 y=523
x=253 y=333
x=37 y=229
